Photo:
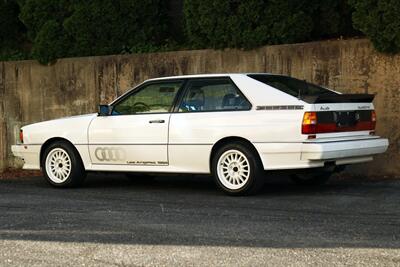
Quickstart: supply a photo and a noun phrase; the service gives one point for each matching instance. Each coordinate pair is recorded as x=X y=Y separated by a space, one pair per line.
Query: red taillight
x=21 y=136
x=309 y=124
x=312 y=126
x=373 y=119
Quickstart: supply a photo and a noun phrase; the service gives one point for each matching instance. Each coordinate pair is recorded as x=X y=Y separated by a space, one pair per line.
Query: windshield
x=292 y=86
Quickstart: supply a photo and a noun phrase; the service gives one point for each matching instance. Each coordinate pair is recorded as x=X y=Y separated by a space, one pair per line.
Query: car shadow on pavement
x=190 y=210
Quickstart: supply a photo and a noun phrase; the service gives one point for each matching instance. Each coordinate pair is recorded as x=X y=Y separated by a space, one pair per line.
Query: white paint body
x=184 y=143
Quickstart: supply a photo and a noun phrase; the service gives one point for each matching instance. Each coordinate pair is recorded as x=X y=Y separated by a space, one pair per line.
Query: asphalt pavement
x=186 y=220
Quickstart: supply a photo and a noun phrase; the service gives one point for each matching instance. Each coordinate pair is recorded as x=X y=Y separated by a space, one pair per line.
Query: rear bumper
x=343 y=149
x=313 y=154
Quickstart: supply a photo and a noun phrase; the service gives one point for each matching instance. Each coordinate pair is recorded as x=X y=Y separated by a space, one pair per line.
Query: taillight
x=373 y=119
x=330 y=122
x=309 y=125
x=21 y=136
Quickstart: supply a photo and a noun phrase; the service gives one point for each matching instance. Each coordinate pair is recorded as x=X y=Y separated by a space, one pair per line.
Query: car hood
x=73 y=129
x=63 y=120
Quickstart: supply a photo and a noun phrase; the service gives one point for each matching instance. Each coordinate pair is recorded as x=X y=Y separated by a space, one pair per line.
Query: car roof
x=256 y=92
x=203 y=76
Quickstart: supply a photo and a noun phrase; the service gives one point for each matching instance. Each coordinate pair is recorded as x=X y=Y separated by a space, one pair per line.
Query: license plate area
x=344 y=121
x=345 y=118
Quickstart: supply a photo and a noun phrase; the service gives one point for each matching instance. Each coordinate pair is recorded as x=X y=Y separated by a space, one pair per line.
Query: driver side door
x=136 y=132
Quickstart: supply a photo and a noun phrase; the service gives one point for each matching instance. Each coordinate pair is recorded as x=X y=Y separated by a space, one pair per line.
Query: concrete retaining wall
x=30 y=92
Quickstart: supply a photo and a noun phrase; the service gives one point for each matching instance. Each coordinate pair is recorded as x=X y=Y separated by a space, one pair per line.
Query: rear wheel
x=237 y=169
x=62 y=165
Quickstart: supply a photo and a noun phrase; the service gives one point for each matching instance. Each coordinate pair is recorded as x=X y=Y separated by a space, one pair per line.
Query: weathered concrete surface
x=30 y=92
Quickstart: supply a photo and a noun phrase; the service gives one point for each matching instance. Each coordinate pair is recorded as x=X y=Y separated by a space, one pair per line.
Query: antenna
x=299 y=93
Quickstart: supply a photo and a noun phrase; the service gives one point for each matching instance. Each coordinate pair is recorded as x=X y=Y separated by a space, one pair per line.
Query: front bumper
x=30 y=154
x=327 y=150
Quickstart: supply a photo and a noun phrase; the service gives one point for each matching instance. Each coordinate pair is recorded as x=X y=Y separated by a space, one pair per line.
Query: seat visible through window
x=213 y=95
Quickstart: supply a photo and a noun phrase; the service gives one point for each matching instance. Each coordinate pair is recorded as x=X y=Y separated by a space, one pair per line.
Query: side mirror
x=104 y=110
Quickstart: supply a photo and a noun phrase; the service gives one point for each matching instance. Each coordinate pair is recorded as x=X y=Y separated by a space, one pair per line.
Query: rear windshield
x=291 y=86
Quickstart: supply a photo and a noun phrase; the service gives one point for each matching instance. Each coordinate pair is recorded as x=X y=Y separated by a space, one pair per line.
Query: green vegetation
x=108 y=27
x=93 y=27
x=49 y=29
x=379 y=20
x=248 y=24
x=12 y=32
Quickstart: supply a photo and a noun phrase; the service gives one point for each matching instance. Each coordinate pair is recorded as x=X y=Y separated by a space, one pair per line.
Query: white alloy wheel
x=233 y=169
x=58 y=165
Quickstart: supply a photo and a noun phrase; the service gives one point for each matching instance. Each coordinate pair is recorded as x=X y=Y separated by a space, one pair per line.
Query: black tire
x=77 y=173
x=311 y=179
x=255 y=178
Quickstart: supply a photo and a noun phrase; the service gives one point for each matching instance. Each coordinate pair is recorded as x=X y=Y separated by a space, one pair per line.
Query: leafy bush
x=60 y=28
x=106 y=27
x=331 y=18
x=379 y=20
x=50 y=43
x=225 y=23
x=287 y=21
x=12 y=31
x=50 y=29
x=44 y=22
x=247 y=24
x=36 y=13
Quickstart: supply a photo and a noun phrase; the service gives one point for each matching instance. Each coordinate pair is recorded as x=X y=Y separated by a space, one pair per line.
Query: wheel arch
x=52 y=141
x=231 y=139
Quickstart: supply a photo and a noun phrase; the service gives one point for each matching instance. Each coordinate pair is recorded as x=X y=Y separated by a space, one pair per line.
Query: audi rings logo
x=110 y=154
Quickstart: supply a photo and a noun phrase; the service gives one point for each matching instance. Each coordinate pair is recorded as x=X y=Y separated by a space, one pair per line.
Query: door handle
x=157 y=121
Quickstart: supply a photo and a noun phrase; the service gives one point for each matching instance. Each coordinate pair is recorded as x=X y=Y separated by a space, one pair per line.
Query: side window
x=212 y=95
x=153 y=98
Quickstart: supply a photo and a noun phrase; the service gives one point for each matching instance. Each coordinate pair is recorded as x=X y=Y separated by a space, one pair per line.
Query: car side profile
x=234 y=126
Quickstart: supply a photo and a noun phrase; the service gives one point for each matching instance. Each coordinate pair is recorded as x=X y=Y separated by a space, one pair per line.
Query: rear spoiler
x=343 y=98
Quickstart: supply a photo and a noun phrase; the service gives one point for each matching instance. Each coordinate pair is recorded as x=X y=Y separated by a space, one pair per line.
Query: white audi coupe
x=237 y=127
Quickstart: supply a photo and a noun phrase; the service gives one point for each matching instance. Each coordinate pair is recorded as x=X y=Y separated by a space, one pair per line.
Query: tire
x=311 y=179
x=62 y=165
x=237 y=169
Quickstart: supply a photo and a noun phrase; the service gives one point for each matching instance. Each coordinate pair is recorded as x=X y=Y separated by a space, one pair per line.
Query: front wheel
x=62 y=165
x=237 y=169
